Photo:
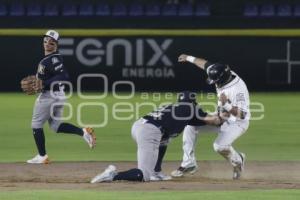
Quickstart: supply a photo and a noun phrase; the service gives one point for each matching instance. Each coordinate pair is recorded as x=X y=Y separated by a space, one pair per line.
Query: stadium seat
x=136 y=10
x=69 y=9
x=297 y=10
x=185 y=10
x=102 y=9
x=3 y=10
x=86 y=9
x=34 y=9
x=251 y=10
x=169 y=10
x=17 y=9
x=267 y=10
x=284 y=10
x=152 y=10
x=119 y=10
x=202 y=9
x=51 y=9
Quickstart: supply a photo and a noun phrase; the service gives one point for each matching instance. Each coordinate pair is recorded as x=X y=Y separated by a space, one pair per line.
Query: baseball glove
x=31 y=85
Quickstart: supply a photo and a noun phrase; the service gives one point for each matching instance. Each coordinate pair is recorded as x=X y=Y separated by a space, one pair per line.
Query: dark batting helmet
x=187 y=96
x=218 y=74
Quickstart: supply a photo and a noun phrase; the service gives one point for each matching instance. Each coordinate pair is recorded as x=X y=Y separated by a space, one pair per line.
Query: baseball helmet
x=53 y=34
x=218 y=74
x=187 y=96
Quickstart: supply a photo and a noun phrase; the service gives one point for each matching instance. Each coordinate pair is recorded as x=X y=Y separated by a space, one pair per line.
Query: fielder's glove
x=31 y=85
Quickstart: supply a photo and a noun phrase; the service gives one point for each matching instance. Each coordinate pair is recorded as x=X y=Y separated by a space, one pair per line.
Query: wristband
x=227 y=106
x=190 y=59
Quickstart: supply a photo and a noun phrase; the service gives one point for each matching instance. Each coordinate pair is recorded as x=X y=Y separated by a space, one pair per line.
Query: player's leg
x=39 y=117
x=147 y=137
x=223 y=145
x=136 y=174
x=58 y=126
x=148 y=140
x=158 y=173
x=189 y=139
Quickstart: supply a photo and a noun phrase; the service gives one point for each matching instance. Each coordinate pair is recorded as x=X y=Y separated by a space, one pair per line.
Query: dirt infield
x=212 y=175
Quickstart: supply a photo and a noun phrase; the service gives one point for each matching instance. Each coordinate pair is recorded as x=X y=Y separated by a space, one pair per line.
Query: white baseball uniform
x=237 y=93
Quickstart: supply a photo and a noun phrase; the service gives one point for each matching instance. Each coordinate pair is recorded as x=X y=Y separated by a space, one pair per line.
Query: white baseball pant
x=227 y=134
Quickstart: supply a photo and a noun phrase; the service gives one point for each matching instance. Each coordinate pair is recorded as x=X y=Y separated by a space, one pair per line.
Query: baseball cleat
x=39 y=160
x=159 y=176
x=181 y=171
x=237 y=170
x=89 y=136
x=107 y=176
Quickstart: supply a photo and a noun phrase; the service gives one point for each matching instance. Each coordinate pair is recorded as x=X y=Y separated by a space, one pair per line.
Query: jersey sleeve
x=42 y=71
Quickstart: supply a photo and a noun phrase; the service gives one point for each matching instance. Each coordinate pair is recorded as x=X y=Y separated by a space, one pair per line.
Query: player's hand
x=224 y=115
x=182 y=58
x=223 y=98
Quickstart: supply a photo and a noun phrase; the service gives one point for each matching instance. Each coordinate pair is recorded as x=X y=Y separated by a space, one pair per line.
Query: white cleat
x=89 y=136
x=181 y=171
x=39 y=160
x=107 y=176
x=237 y=170
x=159 y=176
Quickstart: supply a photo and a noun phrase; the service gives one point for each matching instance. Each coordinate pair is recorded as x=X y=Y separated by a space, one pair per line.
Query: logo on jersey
x=58 y=67
x=54 y=60
x=41 y=69
x=240 y=97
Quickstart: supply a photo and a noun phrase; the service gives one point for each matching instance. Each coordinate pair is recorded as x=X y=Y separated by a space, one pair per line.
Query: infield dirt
x=212 y=175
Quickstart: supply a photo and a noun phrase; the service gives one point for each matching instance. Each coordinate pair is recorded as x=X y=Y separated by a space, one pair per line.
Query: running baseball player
x=150 y=130
x=49 y=104
x=233 y=105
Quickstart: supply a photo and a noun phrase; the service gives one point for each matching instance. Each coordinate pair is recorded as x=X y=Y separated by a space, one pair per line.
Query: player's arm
x=213 y=120
x=203 y=118
x=161 y=152
x=199 y=62
x=234 y=110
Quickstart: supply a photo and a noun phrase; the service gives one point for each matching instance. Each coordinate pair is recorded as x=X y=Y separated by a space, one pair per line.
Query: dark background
x=247 y=55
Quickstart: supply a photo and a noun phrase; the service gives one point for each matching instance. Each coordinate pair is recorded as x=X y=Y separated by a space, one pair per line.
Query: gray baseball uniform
x=50 y=102
x=168 y=121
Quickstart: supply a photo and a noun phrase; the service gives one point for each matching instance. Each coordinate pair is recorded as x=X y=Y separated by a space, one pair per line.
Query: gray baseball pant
x=48 y=107
x=147 y=137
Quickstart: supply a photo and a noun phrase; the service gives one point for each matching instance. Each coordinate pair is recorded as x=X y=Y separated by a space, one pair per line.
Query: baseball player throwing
x=233 y=103
x=49 y=104
x=150 y=130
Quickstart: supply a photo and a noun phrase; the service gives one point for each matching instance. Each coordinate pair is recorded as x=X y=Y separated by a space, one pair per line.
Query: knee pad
x=222 y=149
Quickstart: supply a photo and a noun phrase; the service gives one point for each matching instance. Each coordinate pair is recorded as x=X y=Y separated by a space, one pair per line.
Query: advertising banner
x=265 y=63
